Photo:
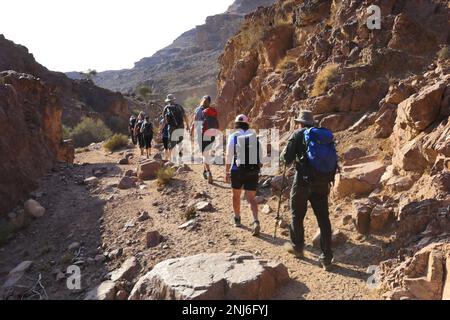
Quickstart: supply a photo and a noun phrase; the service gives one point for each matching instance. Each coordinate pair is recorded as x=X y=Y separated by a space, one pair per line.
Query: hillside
x=188 y=67
x=385 y=93
x=79 y=98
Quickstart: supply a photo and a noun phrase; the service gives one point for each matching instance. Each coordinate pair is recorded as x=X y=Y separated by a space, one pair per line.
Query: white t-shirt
x=239 y=134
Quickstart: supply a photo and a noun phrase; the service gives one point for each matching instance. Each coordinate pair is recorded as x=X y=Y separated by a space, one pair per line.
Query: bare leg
x=251 y=198
x=237 y=202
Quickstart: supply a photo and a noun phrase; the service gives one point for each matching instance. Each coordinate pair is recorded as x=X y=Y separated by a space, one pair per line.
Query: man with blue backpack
x=313 y=151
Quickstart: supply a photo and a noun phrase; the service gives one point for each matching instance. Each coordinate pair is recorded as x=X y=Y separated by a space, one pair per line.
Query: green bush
x=89 y=131
x=116 y=124
x=444 y=53
x=191 y=103
x=116 y=142
x=66 y=132
x=164 y=176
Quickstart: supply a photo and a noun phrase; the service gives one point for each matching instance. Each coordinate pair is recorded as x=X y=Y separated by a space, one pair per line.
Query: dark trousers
x=301 y=193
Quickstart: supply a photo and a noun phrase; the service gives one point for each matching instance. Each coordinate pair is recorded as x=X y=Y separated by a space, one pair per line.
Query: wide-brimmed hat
x=242 y=118
x=306 y=117
x=170 y=98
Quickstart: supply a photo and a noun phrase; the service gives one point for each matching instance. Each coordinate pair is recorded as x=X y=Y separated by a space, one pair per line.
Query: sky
x=77 y=35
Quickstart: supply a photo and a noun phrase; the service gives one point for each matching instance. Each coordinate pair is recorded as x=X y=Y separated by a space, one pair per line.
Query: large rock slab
x=359 y=179
x=105 y=291
x=211 y=277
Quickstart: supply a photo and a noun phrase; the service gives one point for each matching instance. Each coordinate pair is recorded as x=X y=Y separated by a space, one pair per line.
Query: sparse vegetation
x=189 y=213
x=323 y=79
x=116 y=142
x=444 y=53
x=357 y=84
x=66 y=132
x=251 y=35
x=164 y=175
x=116 y=124
x=86 y=132
x=6 y=232
x=286 y=63
x=144 y=92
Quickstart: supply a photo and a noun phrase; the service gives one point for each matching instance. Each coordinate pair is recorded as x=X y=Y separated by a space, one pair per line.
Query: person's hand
x=228 y=177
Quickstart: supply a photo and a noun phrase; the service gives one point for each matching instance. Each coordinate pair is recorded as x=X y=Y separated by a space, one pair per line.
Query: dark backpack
x=147 y=129
x=174 y=116
x=320 y=155
x=210 y=120
x=247 y=149
x=132 y=123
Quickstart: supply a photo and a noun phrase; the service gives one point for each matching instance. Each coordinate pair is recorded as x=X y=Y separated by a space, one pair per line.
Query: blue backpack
x=321 y=154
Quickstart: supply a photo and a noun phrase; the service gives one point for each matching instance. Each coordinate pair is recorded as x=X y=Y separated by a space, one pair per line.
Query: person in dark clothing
x=131 y=126
x=147 y=135
x=137 y=132
x=303 y=191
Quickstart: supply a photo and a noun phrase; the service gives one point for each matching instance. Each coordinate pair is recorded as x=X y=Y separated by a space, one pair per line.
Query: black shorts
x=140 y=139
x=148 y=141
x=246 y=179
x=205 y=144
x=166 y=143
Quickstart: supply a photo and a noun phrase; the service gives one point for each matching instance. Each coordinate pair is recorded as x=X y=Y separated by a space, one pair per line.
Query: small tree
x=144 y=92
x=89 y=74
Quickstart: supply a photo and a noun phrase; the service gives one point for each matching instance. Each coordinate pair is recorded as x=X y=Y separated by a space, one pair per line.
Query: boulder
x=361 y=217
x=379 y=218
x=128 y=271
x=414 y=217
x=211 y=277
x=148 y=169
x=204 y=206
x=34 y=209
x=354 y=153
x=359 y=179
x=153 y=238
x=410 y=157
x=127 y=182
x=123 y=161
x=105 y=291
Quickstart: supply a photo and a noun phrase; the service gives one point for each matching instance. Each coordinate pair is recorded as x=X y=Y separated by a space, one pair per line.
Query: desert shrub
x=357 y=84
x=323 y=79
x=191 y=103
x=287 y=63
x=66 y=132
x=116 y=142
x=6 y=232
x=164 y=175
x=89 y=131
x=189 y=213
x=251 y=36
x=444 y=53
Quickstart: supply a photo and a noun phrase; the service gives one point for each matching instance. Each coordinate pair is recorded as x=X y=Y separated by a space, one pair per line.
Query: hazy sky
x=75 y=35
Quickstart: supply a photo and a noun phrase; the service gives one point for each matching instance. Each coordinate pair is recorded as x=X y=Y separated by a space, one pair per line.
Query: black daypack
x=147 y=129
x=174 y=116
x=247 y=150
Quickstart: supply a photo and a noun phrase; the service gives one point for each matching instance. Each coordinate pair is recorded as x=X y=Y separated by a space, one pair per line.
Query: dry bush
x=323 y=79
x=116 y=142
x=164 y=176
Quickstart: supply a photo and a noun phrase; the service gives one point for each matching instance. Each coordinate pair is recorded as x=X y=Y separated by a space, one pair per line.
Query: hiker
x=204 y=124
x=165 y=137
x=313 y=151
x=137 y=131
x=147 y=135
x=131 y=125
x=175 y=117
x=243 y=166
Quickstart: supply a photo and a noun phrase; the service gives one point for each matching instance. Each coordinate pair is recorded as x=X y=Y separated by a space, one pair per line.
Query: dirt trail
x=97 y=217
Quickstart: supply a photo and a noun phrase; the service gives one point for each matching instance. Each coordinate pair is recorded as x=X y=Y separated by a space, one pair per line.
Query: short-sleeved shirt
x=232 y=139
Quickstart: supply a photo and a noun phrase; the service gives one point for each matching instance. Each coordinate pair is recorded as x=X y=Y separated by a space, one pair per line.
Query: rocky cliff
x=79 y=98
x=31 y=139
x=188 y=67
x=385 y=93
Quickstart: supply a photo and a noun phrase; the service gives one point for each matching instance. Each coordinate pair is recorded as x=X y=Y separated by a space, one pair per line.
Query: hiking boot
x=237 y=222
x=296 y=251
x=210 y=178
x=256 y=229
x=325 y=263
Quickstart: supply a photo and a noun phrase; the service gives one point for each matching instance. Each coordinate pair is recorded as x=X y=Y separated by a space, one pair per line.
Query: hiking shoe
x=296 y=251
x=326 y=263
x=256 y=229
x=237 y=222
x=210 y=178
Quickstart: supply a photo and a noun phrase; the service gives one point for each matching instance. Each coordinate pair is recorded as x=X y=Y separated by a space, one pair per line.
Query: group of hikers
x=310 y=148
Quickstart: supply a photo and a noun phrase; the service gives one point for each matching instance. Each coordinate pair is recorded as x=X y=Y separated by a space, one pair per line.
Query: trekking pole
x=279 y=202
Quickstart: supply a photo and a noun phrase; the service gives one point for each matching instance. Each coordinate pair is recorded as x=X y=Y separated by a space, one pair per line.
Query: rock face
x=425 y=276
x=188 y=67
x=78 y=98
x=31 y=139
x=211 y=277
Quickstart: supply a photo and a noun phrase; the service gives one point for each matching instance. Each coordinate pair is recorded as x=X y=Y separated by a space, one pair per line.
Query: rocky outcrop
x=78 y=98
x=211 y=277
x=31 y=139
x=188 y=67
